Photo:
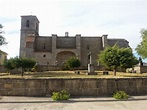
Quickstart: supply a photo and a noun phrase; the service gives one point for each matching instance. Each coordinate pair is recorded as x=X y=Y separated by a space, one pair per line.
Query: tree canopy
x=2 y=39
x=142 y=47
x=24 y=63
x=115 y=57
x=72 y=63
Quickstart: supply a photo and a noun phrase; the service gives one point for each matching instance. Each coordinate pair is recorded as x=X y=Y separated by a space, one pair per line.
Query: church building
x=54 y=50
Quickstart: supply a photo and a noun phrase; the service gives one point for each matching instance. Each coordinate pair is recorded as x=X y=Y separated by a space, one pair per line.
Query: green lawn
x=71 y=74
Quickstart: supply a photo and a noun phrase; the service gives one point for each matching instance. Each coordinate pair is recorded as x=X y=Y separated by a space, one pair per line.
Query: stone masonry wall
x=43 y=44
x=93 y=45
x=75 y=86
x=66 y=42
x=140 y=69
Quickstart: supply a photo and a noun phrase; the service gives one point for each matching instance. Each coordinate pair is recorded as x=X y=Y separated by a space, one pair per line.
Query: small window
x=0 y=55
x=27 y=23
x=44 y=55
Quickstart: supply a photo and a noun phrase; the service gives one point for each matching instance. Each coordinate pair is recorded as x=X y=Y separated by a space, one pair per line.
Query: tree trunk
x=114 y=72
x=22 y=72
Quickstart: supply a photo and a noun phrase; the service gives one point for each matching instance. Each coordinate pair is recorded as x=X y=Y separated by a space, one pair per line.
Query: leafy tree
x=115 y=57
x=142 y=47
x=9 y=64
x=24 y=63
x=72 y=63
x=127 y=59
x=27 y=63
x=2 y=39
x=17 y=62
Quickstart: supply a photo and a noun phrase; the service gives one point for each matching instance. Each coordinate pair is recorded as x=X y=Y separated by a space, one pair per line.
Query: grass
x=71 y=74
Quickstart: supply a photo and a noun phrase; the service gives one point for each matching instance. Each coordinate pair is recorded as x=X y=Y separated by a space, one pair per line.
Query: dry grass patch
x=71 y=74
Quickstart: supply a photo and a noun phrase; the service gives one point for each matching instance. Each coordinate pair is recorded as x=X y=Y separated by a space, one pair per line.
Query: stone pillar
x=90 y=66
x=91 y=69
x=78 y=46
x=89 y=57
x=104 y=40
x=54 y=47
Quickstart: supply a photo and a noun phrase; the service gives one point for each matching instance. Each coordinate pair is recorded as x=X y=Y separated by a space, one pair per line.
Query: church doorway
x=63 y=56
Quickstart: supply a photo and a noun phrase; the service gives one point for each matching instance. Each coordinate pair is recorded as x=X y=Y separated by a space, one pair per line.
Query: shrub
x=120 y=95
x=72 y=63
x=63 y=95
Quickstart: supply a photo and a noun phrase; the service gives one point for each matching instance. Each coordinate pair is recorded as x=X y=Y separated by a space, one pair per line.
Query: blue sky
x=117 y=18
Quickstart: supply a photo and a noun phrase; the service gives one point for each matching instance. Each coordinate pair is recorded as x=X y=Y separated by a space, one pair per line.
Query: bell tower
x=29 y=27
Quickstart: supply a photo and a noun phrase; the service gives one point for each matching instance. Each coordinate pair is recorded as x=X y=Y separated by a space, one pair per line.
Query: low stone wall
x=140 y=69
x=56 y=68
x=49 y=68
x=75 y=86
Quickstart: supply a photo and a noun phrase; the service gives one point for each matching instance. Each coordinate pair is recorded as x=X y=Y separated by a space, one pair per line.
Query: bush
x=63 y=95
x=120 y=95
x=72 y=63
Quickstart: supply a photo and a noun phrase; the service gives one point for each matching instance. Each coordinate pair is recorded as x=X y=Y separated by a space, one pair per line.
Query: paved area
x=89 y=103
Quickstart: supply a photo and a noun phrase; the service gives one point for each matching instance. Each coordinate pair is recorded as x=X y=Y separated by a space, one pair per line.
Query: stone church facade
x=54 y=50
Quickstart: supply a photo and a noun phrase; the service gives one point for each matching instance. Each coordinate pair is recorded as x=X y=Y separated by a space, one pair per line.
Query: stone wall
x=43 y=44
x=143 y=69
x=66 y=43
x=93 y=45
x=50 y=68
x=56 y=68
x=75 y=86
x=140 y=69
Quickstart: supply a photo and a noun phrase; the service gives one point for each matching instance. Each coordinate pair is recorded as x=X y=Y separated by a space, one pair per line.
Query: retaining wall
x=75 y=86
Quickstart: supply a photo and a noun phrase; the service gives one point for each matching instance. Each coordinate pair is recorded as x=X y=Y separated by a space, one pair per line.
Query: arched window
x=27 y=23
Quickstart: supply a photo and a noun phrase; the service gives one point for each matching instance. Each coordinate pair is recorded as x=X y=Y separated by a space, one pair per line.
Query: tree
x=72 y=63
x=27 y=64
x=127 y=59
x=142 y=47
x=24 y=63
x=115 y=57
x=9 y=64
x=2 y=39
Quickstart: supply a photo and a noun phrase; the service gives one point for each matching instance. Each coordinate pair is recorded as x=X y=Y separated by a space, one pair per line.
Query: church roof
x=3 y=52
x=120 y=42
